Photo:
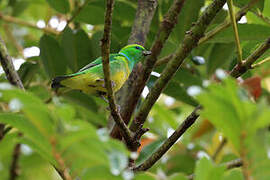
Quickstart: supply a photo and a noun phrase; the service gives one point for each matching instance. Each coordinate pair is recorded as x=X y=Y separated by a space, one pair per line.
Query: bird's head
x=134 y=52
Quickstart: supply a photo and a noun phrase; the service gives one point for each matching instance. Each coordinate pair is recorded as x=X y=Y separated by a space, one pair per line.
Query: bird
x=90 y=79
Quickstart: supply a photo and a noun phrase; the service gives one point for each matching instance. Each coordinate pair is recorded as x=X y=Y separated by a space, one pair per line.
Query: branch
x=169 y=142
x=14 y=79
x=260 y=63
x=14 y=20
x=191 y=119
x=235 y=30
x=240 y=69
x=105 y=52
x=140 y=29
x=190 y=41
x=260 y=15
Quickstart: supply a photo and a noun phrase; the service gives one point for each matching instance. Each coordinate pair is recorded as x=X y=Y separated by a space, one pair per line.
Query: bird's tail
x=56 y=82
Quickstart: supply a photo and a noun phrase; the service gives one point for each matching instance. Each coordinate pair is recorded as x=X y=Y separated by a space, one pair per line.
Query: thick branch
x=240 y=69
x=190 y=41
x=105 y=52
x=140 y=29
x=14 y=20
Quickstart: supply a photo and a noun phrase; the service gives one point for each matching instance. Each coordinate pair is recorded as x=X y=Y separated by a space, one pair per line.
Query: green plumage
x=90 y=79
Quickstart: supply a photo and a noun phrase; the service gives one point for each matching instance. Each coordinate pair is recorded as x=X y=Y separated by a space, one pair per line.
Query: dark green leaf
x=52 y=56
x=61 y=6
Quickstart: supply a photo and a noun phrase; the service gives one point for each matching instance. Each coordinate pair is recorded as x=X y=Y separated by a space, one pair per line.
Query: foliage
x=70 y=130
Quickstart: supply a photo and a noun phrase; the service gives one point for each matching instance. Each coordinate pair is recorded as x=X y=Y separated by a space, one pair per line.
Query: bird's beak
x=146 y=53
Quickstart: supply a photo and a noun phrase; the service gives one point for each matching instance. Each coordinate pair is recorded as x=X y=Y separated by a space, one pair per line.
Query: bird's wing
x=97 y=62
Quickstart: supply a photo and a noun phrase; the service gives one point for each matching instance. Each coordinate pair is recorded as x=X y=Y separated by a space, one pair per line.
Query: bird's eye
x=137 y=47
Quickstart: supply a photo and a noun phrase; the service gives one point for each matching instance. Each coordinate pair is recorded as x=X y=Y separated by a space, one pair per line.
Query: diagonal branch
x=240 y=69
x=191 y=119
x=105 y=52
x=77 y=11
x=190 y=41
x=18 y=21
x=140 y=29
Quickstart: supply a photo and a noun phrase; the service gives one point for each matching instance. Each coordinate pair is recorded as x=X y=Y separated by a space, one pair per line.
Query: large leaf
x=206 y=170
x=247 y=32
x=221 y=54
x=61 y=6
x=52 y=56
x=77 y=48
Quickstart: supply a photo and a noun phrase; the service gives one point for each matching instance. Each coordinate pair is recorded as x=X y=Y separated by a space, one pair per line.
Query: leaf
x=61 y=6
x=178 y=176
x=247 y=32
x=52 y=56
x=233 y=174
x=77 y=48
x=259 y=5
x=206 y=170
x=221 y=54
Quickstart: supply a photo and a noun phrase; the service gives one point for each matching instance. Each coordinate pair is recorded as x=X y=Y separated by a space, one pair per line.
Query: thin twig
x=219 y=148
x=105 y=51
x=240 y=69
x=235 y=30
x=229 y=165
x=261 y=62
x=140 y=29
x=262 y=17
x=18 y=21
x=190 y=41
x=14 y=168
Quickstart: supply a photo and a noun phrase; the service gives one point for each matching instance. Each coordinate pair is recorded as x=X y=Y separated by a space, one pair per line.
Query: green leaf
x=258 y=5
x=221 y=54
x=77 y=48
x=233 y=174
x=144 y=176
x=61 y=6
x=52 y=56
x=247 y=32
x=206 y=170
x=178 y=176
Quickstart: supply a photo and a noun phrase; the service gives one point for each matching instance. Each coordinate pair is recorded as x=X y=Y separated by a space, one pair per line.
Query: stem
x=261 y=62
x=240 y=69
x=260 y=15
x=219 y=148
x=235 y=30
x=14 y=168
x=190 y=42
x=105 y=51
x=14 y=20
x=126 y=97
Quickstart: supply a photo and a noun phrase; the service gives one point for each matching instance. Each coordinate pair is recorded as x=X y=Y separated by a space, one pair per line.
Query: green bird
x=90 y=79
